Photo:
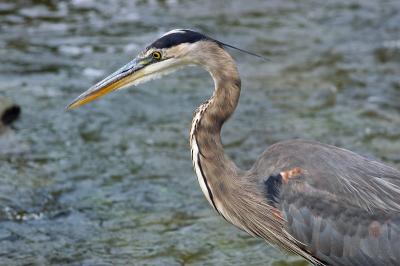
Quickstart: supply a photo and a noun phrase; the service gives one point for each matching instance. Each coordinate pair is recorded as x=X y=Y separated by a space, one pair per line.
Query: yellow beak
x=123 y=77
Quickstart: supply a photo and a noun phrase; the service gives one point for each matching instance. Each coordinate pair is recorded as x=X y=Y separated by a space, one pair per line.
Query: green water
x=112 y=182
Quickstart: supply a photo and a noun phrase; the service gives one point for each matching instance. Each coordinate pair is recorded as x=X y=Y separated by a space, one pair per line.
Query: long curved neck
x=212 y=166
x=211 y=115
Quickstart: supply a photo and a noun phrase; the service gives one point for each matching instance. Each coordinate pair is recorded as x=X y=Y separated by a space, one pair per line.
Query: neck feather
x=214 y=169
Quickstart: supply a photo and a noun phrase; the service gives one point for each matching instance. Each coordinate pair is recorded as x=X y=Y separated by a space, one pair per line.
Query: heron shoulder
x=340 y=173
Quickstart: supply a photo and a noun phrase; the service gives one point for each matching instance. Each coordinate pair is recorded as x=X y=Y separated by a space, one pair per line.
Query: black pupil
x=156 y=55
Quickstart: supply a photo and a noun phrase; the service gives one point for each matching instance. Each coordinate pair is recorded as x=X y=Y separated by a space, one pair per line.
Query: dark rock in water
x=9 y=111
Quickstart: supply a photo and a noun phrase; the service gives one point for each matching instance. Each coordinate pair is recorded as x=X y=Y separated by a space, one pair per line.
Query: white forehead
x=174 y=31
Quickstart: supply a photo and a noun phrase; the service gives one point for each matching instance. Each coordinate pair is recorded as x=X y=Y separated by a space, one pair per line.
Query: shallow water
x=112 y=183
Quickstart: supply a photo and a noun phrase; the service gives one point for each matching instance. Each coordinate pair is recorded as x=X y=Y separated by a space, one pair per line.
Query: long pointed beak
x=121 y=78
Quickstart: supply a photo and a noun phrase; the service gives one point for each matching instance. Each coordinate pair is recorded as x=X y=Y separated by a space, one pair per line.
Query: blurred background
x=112 y=182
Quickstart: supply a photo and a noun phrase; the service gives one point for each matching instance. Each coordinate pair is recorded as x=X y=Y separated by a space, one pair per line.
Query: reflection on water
x=112 y=183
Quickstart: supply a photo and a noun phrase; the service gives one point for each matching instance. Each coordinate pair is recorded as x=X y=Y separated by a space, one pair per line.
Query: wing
x=342 y=207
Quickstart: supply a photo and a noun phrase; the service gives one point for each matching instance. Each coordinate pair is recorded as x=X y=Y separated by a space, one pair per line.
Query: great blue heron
x=327 y=204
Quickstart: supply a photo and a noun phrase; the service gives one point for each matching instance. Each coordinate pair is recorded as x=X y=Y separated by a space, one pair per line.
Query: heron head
x=171 y=51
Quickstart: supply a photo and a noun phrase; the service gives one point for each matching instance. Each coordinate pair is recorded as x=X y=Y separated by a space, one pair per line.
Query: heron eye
x=156 y=55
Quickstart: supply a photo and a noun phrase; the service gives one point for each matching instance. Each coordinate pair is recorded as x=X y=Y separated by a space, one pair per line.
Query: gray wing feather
x=356 y=245
x=344 y=208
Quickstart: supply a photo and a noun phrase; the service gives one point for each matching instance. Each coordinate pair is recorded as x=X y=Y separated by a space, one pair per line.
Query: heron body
x=327 y=204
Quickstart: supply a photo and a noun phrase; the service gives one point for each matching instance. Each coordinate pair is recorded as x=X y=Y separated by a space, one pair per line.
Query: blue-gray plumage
x=342 y=207
x=327 y=204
